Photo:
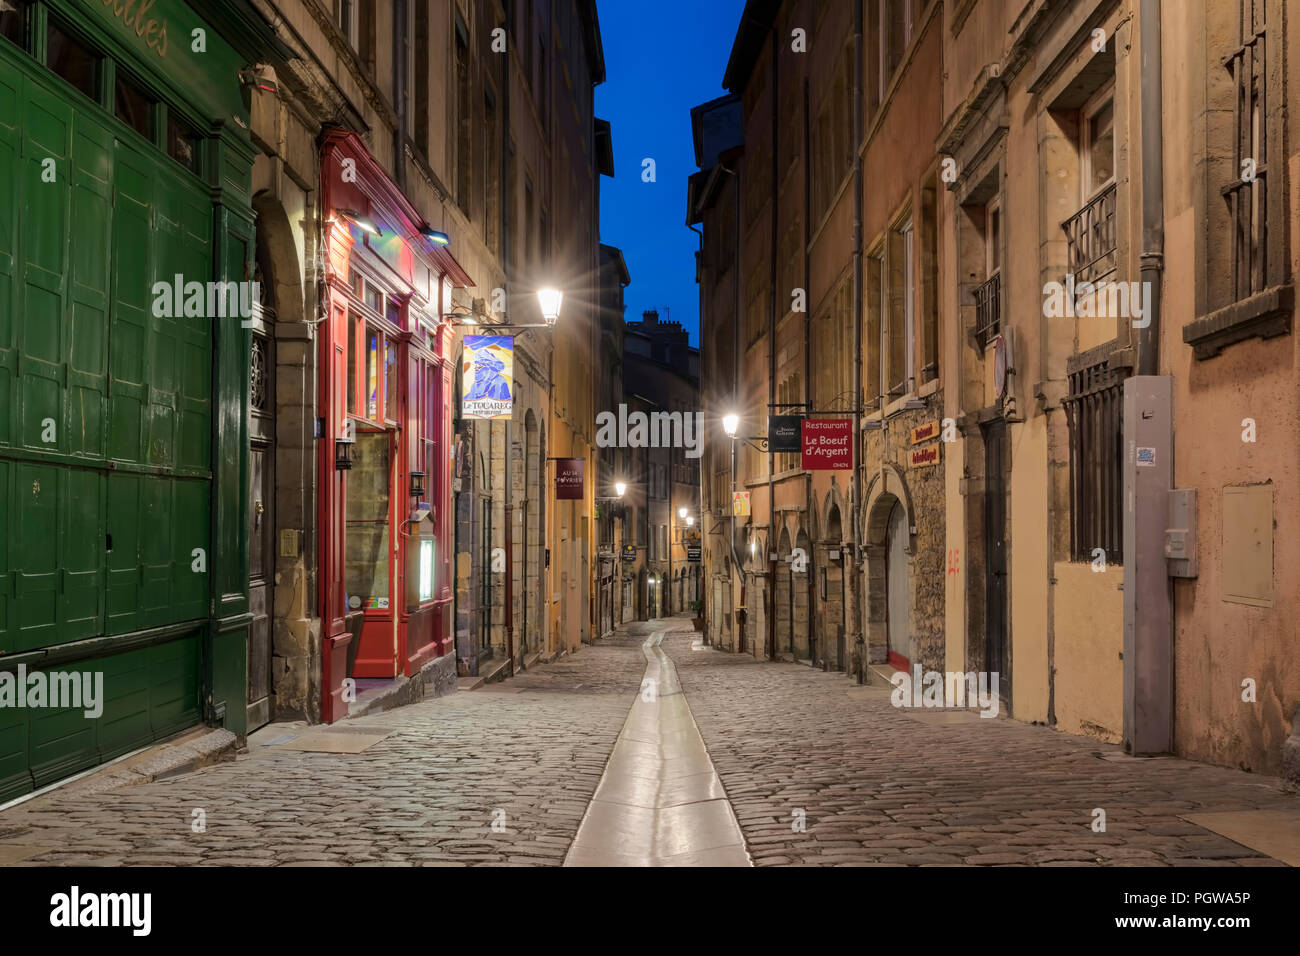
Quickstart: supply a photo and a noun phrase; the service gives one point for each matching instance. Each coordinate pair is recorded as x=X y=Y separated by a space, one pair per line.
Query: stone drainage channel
x=660 y=801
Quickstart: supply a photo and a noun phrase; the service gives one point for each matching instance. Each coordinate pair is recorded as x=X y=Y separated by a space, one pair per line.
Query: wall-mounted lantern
x=343 y=450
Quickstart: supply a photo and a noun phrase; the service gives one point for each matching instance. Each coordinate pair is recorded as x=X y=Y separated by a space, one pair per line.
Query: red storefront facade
x=385 y=517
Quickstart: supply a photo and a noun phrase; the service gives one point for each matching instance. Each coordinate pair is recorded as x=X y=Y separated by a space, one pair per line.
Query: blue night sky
x=661 y=59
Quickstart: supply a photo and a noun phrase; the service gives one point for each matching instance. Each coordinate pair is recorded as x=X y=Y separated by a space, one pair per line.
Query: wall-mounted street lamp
x=364 y=222
x=548 y=299
x=434 y=236
x=619 y=488
x=417 y=485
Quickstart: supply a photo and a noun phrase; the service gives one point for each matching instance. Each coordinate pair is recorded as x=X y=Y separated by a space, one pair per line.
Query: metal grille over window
x=988 y=309
x=1247 y=195
x=257 y=377
x=1094 y=407
x=1090 y=234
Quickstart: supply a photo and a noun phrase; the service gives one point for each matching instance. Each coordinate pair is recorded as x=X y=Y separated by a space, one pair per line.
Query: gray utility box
x=1148 y=591
x=1180 y=535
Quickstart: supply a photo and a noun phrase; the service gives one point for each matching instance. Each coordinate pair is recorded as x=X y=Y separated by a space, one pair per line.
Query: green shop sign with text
x=185 y=52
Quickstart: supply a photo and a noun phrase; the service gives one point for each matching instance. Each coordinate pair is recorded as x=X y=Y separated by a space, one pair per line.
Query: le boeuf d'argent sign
x=827 y=444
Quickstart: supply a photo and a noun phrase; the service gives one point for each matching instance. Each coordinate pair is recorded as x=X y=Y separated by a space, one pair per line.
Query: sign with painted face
x=568 y=479
x=487 y=371
x=827 y=444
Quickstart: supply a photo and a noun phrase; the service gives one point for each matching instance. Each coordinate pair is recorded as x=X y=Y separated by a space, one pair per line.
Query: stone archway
x=784 y=592
x=283 y=342
x=888 y=543
x=531 y=508
x=801 y=593
x=828 y=645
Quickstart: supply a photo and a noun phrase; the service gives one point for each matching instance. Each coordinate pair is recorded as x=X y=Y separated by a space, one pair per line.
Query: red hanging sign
x=568 y=479
x=827 y=444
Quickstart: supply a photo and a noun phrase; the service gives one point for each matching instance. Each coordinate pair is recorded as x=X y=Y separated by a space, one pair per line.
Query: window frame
x=347 y=19
x=1095 y=104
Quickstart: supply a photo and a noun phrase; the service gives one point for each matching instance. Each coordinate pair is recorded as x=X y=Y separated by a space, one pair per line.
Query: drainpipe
x=699 y=508
x=400 y=57
x=505 y=259
x=737 y=568
x=1153 y=187
x=771 y=355
x=1148 y=593
x=855 y=589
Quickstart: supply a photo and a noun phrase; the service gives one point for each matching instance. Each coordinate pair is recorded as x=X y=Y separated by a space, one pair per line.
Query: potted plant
x=698 y=619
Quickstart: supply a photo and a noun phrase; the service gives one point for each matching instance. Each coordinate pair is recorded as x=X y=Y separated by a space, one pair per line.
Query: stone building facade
x=1034 y=243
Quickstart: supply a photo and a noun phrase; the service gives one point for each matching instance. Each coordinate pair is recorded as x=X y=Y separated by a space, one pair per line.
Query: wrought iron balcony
x=1091 y=235
x=988 y=309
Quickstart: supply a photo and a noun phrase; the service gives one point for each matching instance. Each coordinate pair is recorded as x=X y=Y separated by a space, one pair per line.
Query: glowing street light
x=690 y=521
x=550 y=300
x=730 y=423
x=619 y=488
x=681 y=512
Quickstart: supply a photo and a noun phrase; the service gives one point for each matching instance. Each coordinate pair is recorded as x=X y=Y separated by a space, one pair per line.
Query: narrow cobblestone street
x=875 y=785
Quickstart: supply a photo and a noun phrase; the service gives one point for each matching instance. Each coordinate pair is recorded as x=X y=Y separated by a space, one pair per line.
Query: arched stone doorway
x=784 y=585
x=828 y=644
x=531 y=507
x=283 y=671
x=887 y=585
x=896 y=590
x=801 y=578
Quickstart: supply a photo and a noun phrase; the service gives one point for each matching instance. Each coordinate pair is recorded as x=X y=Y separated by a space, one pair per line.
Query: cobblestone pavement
x=534 y=746
x=876 y=785
x=881 y=787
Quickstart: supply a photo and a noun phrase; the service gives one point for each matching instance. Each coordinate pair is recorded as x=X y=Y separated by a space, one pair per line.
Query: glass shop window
x=71 y=60
x=354 y=333
x=367 y=540
x=133 y=106
x=373 y=371
x=390 y=379
x=183 y=143
x=13 y=21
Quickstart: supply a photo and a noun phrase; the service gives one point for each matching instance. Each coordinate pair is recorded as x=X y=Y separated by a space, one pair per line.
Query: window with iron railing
x=988 y=294
x=988 y=309
x=1091 y=238
x=1247 y=195
x=1094 y=410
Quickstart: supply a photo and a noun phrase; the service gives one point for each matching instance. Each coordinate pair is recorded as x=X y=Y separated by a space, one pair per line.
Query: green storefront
x=125 y=162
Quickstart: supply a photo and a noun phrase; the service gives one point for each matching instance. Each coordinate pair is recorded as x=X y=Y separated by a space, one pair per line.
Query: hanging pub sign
x=568 y=479
x=629 y=554
x=783 y=433
x=740 y=504
x=691 y=538
x=486 y=372
x=827 y=444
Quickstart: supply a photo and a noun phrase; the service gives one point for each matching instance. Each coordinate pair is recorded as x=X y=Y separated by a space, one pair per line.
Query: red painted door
x=370 y=571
